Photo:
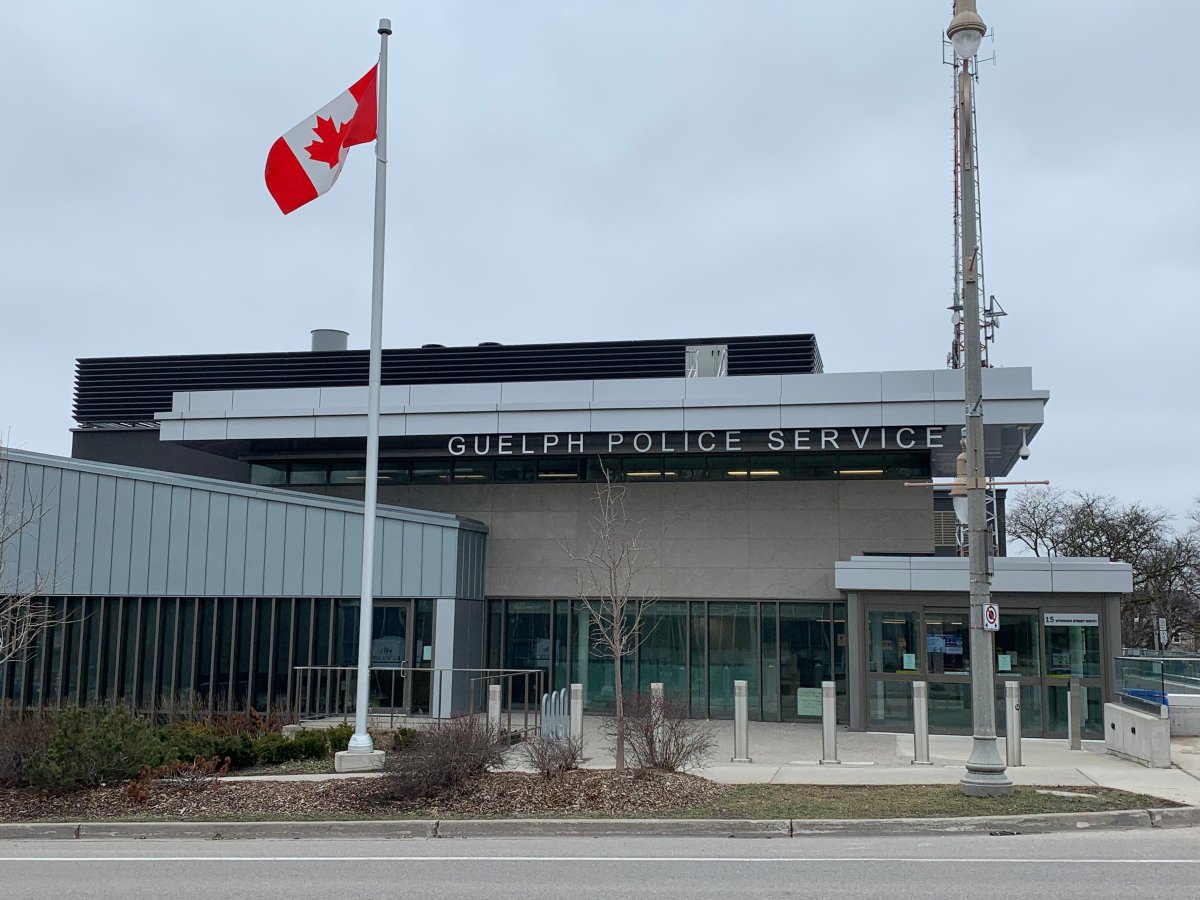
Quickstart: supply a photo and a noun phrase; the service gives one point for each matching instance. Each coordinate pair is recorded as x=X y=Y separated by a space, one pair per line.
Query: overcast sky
x=566 y=170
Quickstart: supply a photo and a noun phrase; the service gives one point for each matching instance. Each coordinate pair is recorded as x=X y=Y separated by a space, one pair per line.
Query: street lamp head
x=966 y=29
x=958 y=491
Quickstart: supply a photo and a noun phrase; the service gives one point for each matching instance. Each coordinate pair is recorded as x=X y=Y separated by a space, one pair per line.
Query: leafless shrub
x=443 y=757
x=197 y=775
x=22 y=734
x=661 y=736
x=551 y=756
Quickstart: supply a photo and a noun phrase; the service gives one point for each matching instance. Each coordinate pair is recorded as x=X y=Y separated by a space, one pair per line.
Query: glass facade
x=696 y=649
x=1042 y=658
x=642 y=467
x=223 y=653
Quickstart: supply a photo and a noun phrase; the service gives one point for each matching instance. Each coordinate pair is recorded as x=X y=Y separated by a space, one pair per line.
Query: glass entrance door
x=389 y=654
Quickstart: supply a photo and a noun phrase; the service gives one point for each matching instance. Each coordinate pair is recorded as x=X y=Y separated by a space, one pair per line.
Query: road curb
x=404 y=829
x=476 y=828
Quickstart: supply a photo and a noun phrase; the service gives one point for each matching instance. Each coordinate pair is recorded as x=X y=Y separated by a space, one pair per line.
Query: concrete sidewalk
x=788 y=753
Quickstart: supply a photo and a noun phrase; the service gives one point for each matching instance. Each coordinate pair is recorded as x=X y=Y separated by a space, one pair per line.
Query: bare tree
x=1166 y=564
x=612 y=584
x=23 y=612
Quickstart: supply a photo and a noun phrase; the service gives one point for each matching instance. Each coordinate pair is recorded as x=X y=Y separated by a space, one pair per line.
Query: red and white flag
x=305 y=162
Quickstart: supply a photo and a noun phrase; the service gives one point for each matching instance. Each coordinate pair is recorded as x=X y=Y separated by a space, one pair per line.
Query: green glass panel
x=892 y=641
x=698 y=644
x=948 y=642
x=949 y=705
x=732 y=656
x=770 y=663
x=805 y=657
x=889 y=702
x=664 y=650
x=1018 y=645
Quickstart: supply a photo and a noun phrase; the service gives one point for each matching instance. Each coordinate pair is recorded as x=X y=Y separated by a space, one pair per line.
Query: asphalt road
x=1144 y=864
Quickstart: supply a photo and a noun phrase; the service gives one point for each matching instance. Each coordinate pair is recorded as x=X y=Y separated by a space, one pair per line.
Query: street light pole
x=985 y=776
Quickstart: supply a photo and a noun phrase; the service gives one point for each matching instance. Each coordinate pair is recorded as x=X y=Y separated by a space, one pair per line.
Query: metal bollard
x=576 y=712
x=741 y=723
x=921 y=724
x=1075 y=715
x=493 y=707
x=829 y=755
x=1012 y=722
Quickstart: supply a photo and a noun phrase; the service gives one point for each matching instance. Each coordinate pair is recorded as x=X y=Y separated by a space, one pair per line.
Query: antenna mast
x=990 y=310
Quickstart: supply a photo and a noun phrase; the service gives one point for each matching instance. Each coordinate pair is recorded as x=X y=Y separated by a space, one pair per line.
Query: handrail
x=439 y=692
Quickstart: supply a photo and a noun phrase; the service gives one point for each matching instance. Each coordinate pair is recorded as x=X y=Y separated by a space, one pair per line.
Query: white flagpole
x=361 y=741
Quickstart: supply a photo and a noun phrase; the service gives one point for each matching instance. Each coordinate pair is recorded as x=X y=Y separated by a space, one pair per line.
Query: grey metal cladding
x=116 y=531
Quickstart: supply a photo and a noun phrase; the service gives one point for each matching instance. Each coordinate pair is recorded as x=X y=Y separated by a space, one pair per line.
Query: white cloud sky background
x=590 y=170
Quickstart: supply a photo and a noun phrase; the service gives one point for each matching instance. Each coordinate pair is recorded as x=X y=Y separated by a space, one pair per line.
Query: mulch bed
x=575 y=794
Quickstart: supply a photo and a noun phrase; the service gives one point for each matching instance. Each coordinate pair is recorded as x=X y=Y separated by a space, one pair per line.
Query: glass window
x=474 y=471
x=281 y=674
x=422 y=639
x=642 y=468
x=732 y=655
x=1058 y=701
x=890 y=702
x=495 y=634
x=805 y=657
x=1073 y=651
x=204 y=644
x=308 y=473
x=839 y=662
x=268 y=473
x=224 y=662
x=699 y=644
x=596 y=669
x=815 y=465
x=770 y=662
x=860 y=465
x=684 y=468
x=950 y=705
x=187 y=624
x=555 y=469
x=893 y=641
x=1018 y=645
x=729 y=468
x=167 y=644
x=348 y=473
x=245 y=634
x=664 y=648
x=527 y=624
x=394 y=471
x=1031 y=708
x=430 y=471
x=778 y=466
x=948 y=642
x=510 y=470
x=562 y=645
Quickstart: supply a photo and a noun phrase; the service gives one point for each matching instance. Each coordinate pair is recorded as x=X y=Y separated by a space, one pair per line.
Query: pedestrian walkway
x=789 y=753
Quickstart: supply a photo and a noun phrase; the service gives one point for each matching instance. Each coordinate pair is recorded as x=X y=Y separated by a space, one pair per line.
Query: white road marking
x=615 y=859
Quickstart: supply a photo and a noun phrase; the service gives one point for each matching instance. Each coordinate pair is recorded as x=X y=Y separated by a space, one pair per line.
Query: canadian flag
x=305 y=162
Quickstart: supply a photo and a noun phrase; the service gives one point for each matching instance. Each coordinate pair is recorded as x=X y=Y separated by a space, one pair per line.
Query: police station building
x=205 y=537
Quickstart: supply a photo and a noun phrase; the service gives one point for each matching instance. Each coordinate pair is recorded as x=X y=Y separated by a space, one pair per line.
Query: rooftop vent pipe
x=326 y=340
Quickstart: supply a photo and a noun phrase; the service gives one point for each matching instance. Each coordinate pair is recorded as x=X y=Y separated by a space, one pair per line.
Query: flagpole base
x=357 y=761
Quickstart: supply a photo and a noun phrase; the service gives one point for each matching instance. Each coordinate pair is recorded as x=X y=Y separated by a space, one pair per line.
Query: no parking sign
x=991 y=617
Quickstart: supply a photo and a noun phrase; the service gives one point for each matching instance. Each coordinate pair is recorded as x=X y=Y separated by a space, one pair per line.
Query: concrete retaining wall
x=1138 y=736
x=1185 y=714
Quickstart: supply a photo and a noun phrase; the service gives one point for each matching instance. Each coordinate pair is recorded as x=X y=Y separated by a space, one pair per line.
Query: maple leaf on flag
x=328 y=146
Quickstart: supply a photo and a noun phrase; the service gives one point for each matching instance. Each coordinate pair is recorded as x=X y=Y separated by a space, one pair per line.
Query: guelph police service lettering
x=628 y=442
